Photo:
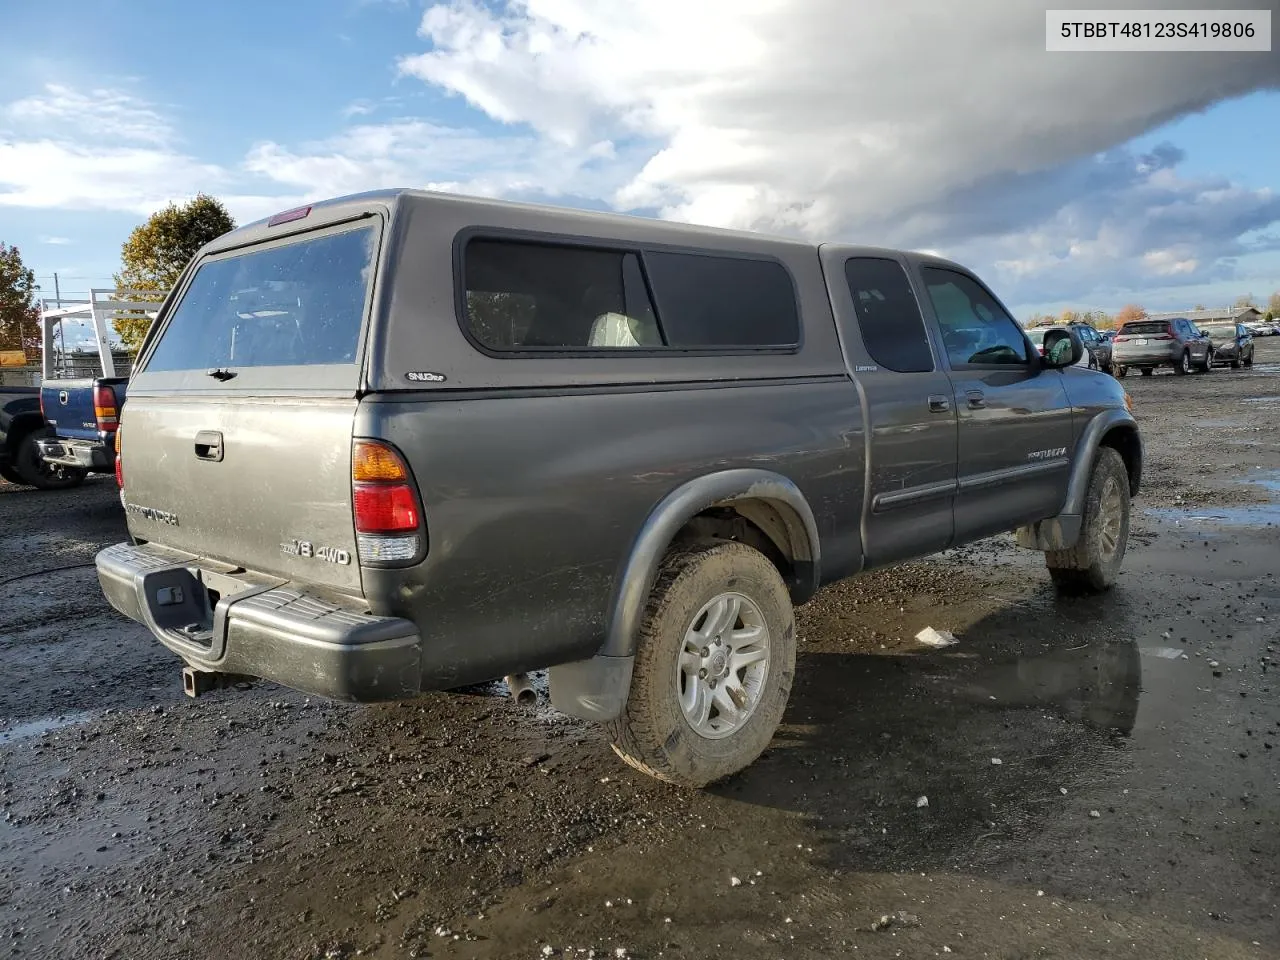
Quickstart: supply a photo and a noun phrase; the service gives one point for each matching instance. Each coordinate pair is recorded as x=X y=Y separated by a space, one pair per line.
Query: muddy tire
x=1248 y=361
x=1121 y=372
x=1092 y=565
x=713 y=668
x=10 y=474
x=1183 y=366
x=1148 y=372
x=34 y=472
x=1207 y=365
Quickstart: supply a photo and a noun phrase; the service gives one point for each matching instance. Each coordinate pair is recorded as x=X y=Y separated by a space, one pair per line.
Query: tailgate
x=236 y=439
x=68 y=407
x=246 y=481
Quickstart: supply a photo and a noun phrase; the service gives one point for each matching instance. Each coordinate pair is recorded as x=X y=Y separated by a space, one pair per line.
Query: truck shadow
x=989 y=731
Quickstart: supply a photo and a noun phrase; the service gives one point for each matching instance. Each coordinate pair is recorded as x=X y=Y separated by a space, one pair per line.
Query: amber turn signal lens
x=373 y=463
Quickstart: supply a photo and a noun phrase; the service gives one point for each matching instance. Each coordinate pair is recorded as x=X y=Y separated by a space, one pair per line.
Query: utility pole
x=57 y=294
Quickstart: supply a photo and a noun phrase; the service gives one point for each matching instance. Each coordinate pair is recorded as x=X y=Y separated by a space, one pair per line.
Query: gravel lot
x=1102 y=777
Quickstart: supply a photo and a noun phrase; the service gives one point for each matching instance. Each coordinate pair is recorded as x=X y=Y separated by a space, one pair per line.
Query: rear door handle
x=939 y=404
x=976 y=399
x=209 y=445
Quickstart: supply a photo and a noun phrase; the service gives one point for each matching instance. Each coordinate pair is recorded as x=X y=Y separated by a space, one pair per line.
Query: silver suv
x=1147 y=344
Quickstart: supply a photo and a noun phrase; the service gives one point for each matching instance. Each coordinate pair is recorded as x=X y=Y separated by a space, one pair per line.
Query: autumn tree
x=156 y=252
x=1129 y=313
x=1245 y=301
x=19 y=316
x=1273 y=306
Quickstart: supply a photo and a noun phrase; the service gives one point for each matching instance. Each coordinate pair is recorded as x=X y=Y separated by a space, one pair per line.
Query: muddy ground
x=1102 y=777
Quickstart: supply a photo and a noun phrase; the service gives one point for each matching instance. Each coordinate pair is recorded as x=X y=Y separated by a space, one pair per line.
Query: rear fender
x=597 y=689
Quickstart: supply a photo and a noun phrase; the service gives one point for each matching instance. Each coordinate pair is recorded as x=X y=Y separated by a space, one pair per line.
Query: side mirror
x=1062 y=348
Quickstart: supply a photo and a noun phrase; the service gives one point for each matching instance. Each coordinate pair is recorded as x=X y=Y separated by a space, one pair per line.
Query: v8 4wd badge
x=305 y=548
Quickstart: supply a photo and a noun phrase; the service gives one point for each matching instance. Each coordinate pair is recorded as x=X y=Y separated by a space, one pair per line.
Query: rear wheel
x=35 y=472
x=1183 y=366
x=1148 y=371
x=714 y=665
x=1121 y=372
x=1091 y=566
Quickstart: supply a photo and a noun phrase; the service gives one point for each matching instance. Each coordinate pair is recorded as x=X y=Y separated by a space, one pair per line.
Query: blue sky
x=1088 y=180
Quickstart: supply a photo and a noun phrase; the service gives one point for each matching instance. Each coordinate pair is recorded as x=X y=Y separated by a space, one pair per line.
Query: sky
x=1083 y=180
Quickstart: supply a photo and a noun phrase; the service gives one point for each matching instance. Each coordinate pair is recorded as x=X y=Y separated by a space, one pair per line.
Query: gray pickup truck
x=406 y=441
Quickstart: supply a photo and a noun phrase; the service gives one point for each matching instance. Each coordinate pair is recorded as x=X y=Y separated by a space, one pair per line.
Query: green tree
x=156 y=252
x=1273 y=305
x=19 y=316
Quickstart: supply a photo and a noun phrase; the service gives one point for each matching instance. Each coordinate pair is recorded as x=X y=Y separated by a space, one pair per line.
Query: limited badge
x=423 y=376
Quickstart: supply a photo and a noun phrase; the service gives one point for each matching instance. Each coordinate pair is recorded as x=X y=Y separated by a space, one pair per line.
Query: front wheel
x=35 y=472
x=1235 y=363
x=1248 y=361
x=1121 y=372
x=1148 y=371
x=713 y=670
x=1092 y=565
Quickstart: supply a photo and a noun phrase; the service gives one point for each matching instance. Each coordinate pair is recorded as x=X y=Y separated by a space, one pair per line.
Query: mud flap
x=595 y=689
x=1056 y=533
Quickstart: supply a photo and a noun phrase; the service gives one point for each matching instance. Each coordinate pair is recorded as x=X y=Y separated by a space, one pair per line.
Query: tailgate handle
x=209 y=445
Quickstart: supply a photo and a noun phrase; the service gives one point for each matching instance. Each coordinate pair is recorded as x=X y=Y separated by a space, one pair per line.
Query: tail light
x=119 y=464
x=388 y=516
x=104 y=409
x=1120 y=339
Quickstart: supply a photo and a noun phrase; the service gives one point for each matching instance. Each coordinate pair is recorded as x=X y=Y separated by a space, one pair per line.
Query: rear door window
x=294 y=305
x=888 y=315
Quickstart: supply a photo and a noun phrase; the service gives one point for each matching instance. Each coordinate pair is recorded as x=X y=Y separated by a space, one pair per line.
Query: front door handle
x=975 y=399
x=939 y=404
x=209 y=445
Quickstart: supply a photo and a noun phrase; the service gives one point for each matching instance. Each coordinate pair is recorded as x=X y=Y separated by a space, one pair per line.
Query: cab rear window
x=300 y=304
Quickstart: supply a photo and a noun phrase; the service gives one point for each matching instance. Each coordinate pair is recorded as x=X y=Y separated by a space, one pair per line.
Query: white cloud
x=110 y=114
x=56 y=241
x=914 y=123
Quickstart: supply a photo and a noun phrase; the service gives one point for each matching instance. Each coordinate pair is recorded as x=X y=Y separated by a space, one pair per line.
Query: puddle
x=1267 y=479
x=1263 y=400
x=1254 y=515
x=35 y=728
x=1266 y=368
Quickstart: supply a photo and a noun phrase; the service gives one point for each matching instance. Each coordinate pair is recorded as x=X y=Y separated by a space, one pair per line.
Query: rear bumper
x=245 y=625
x=1144 y=358
x=84 y=454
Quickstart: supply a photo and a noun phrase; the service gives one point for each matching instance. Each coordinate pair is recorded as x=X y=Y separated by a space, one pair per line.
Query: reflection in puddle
x=1268 y=479
x=34 y=728
x=1266 y=400
x=1255 y=515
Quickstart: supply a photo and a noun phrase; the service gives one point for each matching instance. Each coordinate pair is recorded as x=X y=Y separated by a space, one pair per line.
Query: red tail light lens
x=385 y=508
x=119 y=463
x=104 y=409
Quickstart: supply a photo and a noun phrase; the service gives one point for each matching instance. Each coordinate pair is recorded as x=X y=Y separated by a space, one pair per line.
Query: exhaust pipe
x=521 y=689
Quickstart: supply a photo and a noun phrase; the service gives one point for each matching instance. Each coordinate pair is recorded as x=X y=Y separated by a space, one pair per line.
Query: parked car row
x=1264 y=328
x=1179 y=344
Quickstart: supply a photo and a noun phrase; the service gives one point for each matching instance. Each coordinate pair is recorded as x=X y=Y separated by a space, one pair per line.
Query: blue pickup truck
x=22 y=427
x=81 y=395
